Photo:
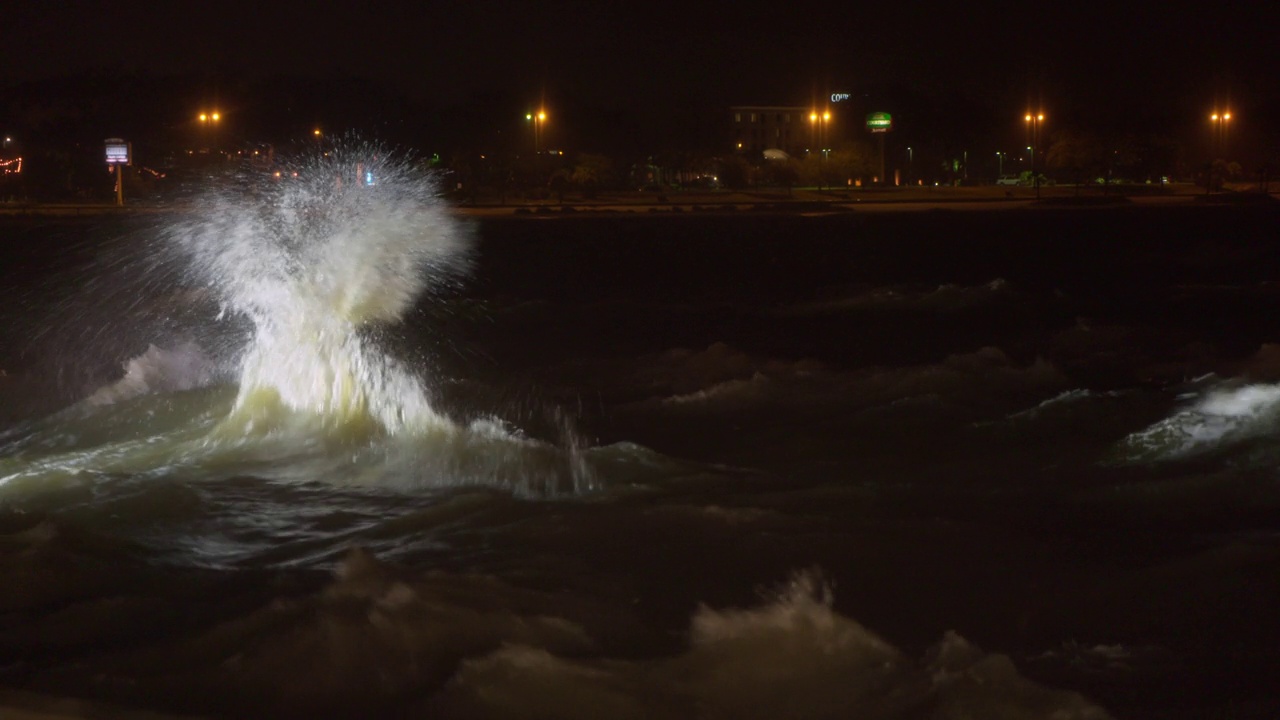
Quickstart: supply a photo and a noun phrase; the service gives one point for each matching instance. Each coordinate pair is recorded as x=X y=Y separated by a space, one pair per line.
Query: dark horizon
x=1142 y=60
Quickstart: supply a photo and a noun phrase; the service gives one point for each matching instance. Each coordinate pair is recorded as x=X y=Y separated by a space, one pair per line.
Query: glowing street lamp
x=1034 y=123
x=209 y=120
x=818 y=123
x=537 y=119
x=1219 y=121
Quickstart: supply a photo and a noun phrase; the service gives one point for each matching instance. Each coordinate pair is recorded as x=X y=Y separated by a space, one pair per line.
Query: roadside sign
x=879 y=122
x=118 y=152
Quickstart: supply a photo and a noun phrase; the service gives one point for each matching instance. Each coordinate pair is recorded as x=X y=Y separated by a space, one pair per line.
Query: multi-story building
x=757 y=128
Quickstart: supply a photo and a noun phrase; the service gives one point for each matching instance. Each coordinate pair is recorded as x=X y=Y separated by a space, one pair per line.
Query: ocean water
x=321 y=448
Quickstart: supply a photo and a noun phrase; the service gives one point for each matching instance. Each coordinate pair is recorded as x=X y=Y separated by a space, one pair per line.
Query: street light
x=537 y=119
x=1219 y=124
x=1034 y=122
x=1217 y=143
x=209 y=120
x=818 y=123
x=818 y=128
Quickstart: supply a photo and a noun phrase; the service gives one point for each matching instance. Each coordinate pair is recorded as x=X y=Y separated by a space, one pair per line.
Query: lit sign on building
x=117 y=152
x=879 y=122
x=839 y=97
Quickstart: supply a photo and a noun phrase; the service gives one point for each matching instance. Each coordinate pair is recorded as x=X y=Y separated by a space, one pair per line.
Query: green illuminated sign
x=879 y=122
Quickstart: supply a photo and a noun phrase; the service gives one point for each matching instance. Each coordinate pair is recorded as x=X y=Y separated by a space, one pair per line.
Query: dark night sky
x=1125 y=58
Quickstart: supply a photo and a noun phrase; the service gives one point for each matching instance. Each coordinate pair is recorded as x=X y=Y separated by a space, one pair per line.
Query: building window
x=737 y=117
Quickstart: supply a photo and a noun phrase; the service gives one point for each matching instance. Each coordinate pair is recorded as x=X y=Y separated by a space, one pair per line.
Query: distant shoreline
x=805 y=201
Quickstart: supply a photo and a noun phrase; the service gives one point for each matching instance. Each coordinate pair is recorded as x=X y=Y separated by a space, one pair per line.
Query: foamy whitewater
x=316 y=445
x=319 y=263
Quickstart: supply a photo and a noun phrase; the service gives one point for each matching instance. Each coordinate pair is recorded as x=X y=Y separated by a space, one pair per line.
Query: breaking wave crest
x=315 y=262
x=318 y=262
x=1216 y=419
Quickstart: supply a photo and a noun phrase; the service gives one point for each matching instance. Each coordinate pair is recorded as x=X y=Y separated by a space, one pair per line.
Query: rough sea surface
x=327 y=450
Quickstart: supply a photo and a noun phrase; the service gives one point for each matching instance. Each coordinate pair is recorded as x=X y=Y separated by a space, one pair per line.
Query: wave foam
x=185 y=367
x=1220 y=417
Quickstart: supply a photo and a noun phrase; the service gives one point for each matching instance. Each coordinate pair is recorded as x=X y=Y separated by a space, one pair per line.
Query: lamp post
x=1034 y=122
x=536 y=119
x=999 y=165
x=1218 y=122
x=818 y=128
x=209 y=121
x=1217 y=143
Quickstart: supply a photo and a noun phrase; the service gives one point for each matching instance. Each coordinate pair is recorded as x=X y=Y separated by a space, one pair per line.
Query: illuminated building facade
x=757 y=128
